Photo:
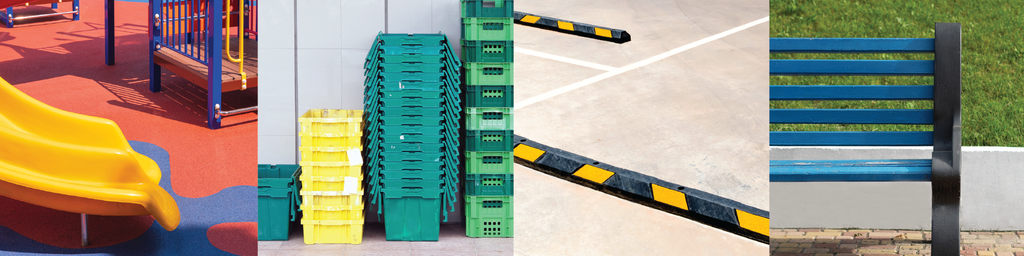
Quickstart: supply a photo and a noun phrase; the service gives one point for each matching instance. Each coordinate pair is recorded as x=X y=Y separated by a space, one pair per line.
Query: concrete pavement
x=698 y=118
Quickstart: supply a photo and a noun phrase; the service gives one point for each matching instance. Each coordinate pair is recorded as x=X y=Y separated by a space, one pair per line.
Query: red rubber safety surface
x=234 y=237
x=60 y=62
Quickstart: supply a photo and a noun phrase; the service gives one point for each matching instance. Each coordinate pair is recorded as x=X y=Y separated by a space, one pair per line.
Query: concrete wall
x=991 y=196
x=312 y=57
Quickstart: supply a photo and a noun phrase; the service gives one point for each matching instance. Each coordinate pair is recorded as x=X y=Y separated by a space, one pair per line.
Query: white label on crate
x=351 y=185
x=354 y=157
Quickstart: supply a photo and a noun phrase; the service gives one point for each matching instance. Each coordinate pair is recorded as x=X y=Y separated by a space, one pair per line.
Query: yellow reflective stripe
x=593 y=174
x=752 y=222
x=669 y=196
x=530 y=19
x=565 y=25
x=527 y=153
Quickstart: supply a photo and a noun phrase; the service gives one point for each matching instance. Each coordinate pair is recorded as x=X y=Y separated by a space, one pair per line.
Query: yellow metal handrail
x=241 y=43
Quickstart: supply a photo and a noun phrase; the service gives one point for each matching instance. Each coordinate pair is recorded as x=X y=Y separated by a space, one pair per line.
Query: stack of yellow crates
x=332 y=190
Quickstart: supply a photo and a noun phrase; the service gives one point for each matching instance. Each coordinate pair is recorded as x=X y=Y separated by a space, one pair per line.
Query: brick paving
x=872 y=242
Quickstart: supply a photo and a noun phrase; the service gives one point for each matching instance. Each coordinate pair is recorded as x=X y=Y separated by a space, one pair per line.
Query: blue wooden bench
x=942 y=170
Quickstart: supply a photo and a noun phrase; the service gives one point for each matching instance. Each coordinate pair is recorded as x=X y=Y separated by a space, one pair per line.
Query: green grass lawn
x=992 y=55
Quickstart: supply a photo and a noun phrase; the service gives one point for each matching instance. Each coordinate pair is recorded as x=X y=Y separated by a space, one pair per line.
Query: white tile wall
x=319 y=79
x=277 y=93
x=361 y=22
x=410 y=16
x=333 y=40
x=278 y=26
x=447 y=17
x=319 y=24
x=276 y=149
x=352 y=78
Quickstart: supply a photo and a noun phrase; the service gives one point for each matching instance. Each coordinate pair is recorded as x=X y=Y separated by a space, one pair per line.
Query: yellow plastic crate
x=329 y=183
x=329 y=154
x=331 y=121
x=320 y=212
x=324 y=128
x=330 y=169
x=331 y=198
x=332 y=231
x=346 y=141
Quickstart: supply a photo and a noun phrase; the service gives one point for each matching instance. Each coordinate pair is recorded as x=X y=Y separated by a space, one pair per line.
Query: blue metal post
x=9 y=17
x=108 y=26
x=53 y=6
x=154 y=40
x=74 y=5
x=214 y=60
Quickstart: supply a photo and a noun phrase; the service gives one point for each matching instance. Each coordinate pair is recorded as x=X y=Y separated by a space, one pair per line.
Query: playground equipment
x=8 y=18
x=76 y=163
x=184 y=40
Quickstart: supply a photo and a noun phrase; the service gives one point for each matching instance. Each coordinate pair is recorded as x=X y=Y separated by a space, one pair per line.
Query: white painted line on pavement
x=633 y=66
x=564 y=59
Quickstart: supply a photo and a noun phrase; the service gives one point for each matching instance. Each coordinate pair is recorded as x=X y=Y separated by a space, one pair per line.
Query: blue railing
x=182 y=27
x=251 y=26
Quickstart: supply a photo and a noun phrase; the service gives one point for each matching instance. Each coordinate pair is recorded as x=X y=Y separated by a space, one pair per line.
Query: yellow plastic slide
x=75 y=163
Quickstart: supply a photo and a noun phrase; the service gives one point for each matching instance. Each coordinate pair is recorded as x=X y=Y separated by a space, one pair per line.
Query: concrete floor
x=557 y=217
x=453 y=241
x=698 y=118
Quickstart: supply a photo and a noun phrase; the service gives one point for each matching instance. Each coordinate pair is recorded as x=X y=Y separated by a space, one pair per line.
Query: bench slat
x=851 y=116
x=850 y=138
x=851 y=67
x=851 y=92
x=851 y=45
x=850 y=170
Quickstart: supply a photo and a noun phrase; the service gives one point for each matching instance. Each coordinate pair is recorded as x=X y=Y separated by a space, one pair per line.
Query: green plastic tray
x=489 y=162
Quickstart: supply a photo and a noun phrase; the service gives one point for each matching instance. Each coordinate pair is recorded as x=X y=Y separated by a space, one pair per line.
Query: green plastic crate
x=410 y=67
x=492 y=96
x=277 y=176
x=277 y=200
x=487 y=8
x=489 y=216
x=488 y=140
x=389 y=77
x=489 y=185
x=413 y=130
x=384 y=135
x=394 y=170
x=412 y=39
x=488 y=162
x=489 y=119
x=276 y=210
x=488 y=73
x=487 y=29
x=447 y=121
x=411 y=183
x=487 y=51
x=409 y=216
x=411 y=49
x=406 y=58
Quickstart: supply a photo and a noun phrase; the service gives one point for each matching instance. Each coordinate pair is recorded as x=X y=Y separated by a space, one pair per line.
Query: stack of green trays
x=488 y=78
x=412 y=106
